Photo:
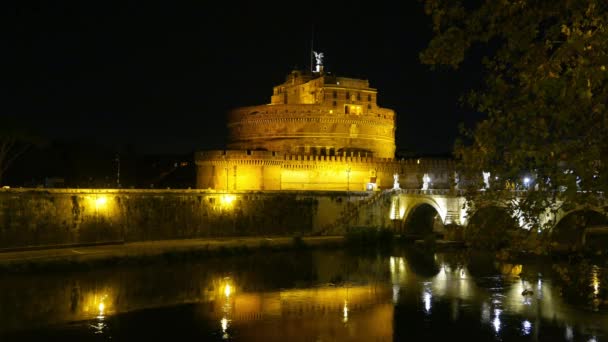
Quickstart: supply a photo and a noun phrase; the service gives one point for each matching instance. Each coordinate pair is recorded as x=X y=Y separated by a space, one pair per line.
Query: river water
x=309 y=295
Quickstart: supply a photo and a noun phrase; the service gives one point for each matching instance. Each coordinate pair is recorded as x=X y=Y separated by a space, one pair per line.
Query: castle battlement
x=301 y=110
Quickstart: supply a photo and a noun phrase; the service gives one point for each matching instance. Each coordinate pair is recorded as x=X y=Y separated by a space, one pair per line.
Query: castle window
x=335 y=95
x=335 y=103
x=369 y=97
x=358 y=96
x=346 y=109
x=347 y=95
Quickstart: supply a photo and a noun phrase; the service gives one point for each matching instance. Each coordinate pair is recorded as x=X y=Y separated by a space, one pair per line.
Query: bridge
x=421 y=212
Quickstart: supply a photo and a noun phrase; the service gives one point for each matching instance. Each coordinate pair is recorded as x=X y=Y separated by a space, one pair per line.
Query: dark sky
x=161 y=76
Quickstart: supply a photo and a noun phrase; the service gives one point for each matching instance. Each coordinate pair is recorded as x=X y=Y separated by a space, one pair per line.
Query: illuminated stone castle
x=319 y=132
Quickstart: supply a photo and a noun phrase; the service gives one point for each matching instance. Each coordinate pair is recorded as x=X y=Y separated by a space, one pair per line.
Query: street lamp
x=226 y=168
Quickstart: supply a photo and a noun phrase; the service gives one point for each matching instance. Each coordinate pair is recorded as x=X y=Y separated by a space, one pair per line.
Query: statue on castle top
x=319 y=57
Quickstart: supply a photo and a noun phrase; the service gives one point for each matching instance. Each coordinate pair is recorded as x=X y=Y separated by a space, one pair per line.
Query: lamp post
x=348 y=179
x=226 y=168
x=348 y=193
x=117 y=170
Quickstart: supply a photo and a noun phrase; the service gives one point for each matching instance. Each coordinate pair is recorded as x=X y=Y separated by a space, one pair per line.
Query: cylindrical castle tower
x=316 y=114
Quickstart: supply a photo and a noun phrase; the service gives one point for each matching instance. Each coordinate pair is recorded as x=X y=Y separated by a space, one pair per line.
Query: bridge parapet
x=444 y=192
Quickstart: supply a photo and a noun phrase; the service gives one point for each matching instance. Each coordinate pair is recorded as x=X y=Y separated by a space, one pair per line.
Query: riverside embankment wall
x=41 y=217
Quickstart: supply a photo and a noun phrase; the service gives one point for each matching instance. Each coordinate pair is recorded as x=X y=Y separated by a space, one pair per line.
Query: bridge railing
x=429 y=192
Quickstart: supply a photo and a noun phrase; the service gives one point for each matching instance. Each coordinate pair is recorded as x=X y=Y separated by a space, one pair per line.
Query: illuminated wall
x=313 y=130
x=42 y=217
x=263 y=170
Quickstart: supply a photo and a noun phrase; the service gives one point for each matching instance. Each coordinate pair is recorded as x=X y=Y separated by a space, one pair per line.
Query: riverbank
x=85 y=257
x=88 y=257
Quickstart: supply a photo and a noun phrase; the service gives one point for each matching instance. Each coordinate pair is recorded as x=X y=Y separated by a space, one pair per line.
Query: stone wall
x=42 y=217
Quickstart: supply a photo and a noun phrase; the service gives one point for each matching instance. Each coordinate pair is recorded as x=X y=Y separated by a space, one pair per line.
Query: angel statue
x=319 y=58
x=396 y=181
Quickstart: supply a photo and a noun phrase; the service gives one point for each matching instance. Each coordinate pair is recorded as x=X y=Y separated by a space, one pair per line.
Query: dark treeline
x=80 y=164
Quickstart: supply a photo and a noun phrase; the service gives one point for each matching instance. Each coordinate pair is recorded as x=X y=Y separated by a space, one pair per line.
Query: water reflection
x=496 y=321
x=569 y=335
x=99 y=326
x=319 y=295
x=595 y=279
x=427 y=296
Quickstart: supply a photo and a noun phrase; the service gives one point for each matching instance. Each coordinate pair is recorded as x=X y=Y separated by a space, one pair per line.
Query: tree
x=544 y=95
x=15 y=140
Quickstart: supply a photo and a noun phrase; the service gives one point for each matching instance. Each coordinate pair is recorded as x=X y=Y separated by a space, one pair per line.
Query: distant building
x=319 y=132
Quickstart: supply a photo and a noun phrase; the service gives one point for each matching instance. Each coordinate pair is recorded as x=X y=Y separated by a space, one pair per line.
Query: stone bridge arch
x=446 y=205
x=422 y=218
x=580 y=227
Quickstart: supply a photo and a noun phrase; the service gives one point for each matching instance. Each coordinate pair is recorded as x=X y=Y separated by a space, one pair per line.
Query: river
x=300 y=295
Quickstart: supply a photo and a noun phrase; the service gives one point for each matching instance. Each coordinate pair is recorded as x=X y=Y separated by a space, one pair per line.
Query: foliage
x=15 y=140
x=544 y=96
x=490 y=229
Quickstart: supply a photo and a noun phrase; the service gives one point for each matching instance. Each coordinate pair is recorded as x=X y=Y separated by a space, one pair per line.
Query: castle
x=319 y=132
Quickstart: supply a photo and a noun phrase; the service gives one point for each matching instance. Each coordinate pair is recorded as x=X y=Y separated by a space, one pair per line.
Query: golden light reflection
x=513 y=270
x=595 y=280
x=227 y=307
x=97 y=304
x=333 y=305
x=397 y=269
x=224 y=322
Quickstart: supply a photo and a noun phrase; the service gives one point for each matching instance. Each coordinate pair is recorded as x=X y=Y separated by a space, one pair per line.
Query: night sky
x=160 y=77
